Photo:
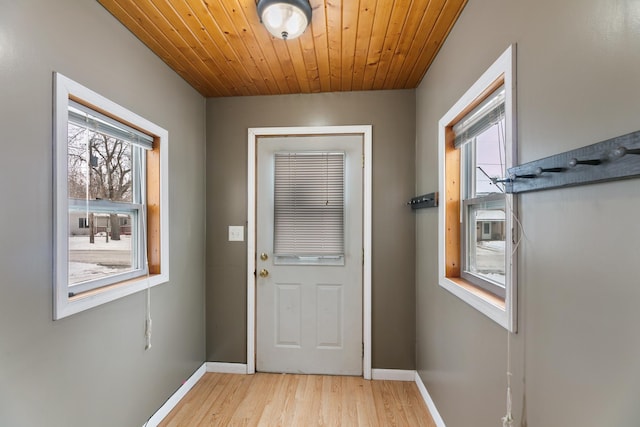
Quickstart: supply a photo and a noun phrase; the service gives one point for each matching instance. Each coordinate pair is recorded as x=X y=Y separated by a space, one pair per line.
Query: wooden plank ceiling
x=221 y=49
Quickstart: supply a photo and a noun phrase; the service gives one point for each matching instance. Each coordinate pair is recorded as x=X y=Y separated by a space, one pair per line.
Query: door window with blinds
x=309 y=208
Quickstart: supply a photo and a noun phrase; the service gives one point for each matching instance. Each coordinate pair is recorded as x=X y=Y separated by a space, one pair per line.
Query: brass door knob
x=264 y=273
x=264 y=256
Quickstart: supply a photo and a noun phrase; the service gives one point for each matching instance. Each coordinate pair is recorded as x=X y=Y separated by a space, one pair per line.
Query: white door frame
x=254 y=134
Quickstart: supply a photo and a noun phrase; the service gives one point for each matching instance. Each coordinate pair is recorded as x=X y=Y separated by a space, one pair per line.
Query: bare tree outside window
x=99 y=168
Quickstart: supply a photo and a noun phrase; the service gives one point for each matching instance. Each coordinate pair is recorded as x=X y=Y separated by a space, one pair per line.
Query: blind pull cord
x=148 y=321
x=507 y=420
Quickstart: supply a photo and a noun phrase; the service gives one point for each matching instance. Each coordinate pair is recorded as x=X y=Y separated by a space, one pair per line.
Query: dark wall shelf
x=425 y=201
x=613 y=159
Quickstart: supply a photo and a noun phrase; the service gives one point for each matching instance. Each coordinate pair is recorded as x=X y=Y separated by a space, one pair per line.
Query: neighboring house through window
x=83 y=222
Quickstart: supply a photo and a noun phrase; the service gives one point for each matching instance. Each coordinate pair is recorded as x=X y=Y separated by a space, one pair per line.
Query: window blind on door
x=309 y=204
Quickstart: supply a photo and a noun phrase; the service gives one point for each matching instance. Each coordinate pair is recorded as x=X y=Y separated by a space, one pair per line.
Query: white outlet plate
x=236 y=233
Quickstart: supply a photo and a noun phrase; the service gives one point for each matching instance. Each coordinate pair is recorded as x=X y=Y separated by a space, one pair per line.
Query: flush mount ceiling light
x=285 y=19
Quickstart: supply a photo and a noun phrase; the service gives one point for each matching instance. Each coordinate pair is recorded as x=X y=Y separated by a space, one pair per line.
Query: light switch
x=236 y=233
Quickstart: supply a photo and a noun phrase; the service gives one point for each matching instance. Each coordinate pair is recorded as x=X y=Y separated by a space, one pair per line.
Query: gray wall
x=576 y=358
x=392 y=114
x=90 y=369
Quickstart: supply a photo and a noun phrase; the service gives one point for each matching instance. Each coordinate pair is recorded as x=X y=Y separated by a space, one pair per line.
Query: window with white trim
x=477 y=253
x=111 y=188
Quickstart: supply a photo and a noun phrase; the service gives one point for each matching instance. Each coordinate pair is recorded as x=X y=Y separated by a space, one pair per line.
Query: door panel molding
x=253 y=135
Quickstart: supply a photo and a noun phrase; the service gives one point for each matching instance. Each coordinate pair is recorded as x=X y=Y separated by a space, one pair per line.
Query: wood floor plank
x=349 y=409
x=366 y=411
x=298 y=400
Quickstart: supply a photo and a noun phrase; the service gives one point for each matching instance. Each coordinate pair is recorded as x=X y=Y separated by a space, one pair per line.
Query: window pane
x=101 y=249
x=490 y=160
x=99 y=166
x=485 y=240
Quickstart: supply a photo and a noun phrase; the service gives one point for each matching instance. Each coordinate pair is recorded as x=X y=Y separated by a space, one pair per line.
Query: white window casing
x=466 y=123
x=71 y=107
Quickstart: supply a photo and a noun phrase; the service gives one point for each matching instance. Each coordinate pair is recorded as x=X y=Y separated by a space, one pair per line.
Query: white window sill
x=66 y=306
x=486 y=303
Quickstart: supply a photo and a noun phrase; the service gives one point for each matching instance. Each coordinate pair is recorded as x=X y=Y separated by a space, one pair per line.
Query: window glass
x=489 y=161
x=100 y=167
x=105 y=256
x=485 y=241
x=104 y=180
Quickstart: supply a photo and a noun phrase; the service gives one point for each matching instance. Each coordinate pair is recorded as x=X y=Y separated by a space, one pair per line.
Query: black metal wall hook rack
x=609 y=160
x=425 y=201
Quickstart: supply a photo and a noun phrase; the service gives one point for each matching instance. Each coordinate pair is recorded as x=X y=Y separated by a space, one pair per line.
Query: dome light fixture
x=285 y=19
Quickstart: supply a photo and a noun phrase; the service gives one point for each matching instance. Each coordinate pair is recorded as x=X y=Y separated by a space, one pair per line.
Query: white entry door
x=309 y=254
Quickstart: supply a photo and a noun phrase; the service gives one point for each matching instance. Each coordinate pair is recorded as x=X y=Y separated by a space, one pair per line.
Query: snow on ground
x=492 y=245
x=82 y=271
x=490 y=260
x=89 y=261
x=82 y=243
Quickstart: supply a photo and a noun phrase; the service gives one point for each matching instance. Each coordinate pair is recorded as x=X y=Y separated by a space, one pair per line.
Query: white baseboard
x=402 y=375
x=430 y=404
x=393 y=375
x=175 y=398
x=227 y=368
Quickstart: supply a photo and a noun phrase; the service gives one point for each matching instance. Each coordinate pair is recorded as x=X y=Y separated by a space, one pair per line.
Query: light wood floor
x=299 y=400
